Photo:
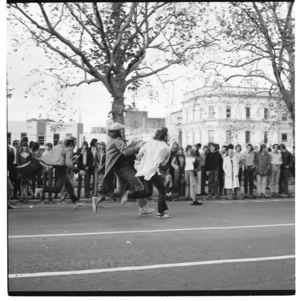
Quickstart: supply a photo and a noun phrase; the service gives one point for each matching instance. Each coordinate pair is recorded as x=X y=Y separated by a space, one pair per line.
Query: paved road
x=201 y=248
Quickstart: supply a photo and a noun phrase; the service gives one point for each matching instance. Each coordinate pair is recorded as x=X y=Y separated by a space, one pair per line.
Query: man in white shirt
x=13 y=169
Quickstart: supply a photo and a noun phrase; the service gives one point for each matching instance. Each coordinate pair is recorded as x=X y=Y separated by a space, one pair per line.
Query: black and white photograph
x=150 y=149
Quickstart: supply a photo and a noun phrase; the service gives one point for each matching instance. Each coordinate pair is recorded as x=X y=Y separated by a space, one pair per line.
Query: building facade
x=42 y=131
x=174 y=125
x=138 y=126
x=234 y=115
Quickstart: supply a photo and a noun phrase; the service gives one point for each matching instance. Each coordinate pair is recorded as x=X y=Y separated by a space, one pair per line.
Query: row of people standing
x=190 y=170
x=91 y=159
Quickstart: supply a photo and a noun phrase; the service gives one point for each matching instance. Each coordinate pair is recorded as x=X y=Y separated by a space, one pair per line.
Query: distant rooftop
x=237 y=90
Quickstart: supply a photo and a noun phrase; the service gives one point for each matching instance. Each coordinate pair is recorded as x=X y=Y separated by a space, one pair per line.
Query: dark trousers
x=221 y=181
x=62 y=179
x=36 y=182
x=47 y=178
x=90 y=174
x=248 y=179
x=15 y=181
x=284 y=180
x=213 y=179
x=177 y=187
x=86 y=184
x=158 y=182
x=203 y=179
x=127 y=174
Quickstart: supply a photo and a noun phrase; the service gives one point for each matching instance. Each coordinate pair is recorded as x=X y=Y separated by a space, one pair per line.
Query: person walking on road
x=262 y=162
x=118 y=162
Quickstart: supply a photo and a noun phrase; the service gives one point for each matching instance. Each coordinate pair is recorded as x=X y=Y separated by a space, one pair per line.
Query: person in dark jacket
x=262 y=163
x=117 y=152
x=10 y=189
x=91 y=173
x=13 y=175
x=24 y=157
x=178 y=163
x=287 y=160
x=203 y=170
x=213 y=162
x=84 y=159
x=36 y=180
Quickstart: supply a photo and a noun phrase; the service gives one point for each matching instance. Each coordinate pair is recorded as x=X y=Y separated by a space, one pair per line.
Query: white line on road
x=149 y=231
x=147 y=267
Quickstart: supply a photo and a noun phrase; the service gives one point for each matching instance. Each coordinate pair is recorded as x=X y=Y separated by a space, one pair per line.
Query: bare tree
x=113 y=42
x=259 y=44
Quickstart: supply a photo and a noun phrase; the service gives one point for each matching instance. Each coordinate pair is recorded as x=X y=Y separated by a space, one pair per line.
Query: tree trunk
x=117 y=110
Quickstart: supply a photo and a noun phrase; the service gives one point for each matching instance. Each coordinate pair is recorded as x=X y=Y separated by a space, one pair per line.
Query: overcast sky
x=93 y=101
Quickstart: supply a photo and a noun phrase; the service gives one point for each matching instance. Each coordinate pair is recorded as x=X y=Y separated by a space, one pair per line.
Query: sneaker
x=164 y=215
x=203 y=193
x=125 y=198
x=145 y=210
x=77 y=204
x=9 y=206
x=38 y=191
x=196 y=203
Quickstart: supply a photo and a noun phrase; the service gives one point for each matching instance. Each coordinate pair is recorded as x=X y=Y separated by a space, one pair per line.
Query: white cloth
x=45 y=153
x=189 y=163
x=154 y=152
x=231 y=175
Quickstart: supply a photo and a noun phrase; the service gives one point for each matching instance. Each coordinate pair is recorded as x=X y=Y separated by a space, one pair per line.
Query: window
x=193 y=138
x=187 y=116
x=23 y=135
x=200 y=137
x=265 y=137
x=210 y=112
x=228 y=136
x=193 y=114
x=154 y=124
x=41 y=140
x=248 y=113
x=211 y=136
x=200 y=113
x=8 y=138
x=266 y=113
x=55 y=139
x=247 y=136
x=228 y=112
x=284 y=116
x=283 y=137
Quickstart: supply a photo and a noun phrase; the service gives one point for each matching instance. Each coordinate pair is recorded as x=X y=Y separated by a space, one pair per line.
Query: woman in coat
x=117 y=153
x=231 y=171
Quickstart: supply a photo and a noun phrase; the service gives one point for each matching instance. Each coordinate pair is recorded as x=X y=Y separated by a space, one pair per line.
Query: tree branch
x=87 y=81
